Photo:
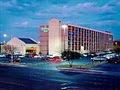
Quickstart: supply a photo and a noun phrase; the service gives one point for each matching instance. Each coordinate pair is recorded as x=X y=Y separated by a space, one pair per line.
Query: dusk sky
x=22 y=18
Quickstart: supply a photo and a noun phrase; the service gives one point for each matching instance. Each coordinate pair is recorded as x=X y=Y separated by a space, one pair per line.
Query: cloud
x=26 y=4
x=21 y=24
x=93 y=8
x=8 y=4
x=113 y=2
x=85 y=5
x=107 y=23
x=118 y=3
x=5 y=4
x=13 y=1
x=25 y=23
x=80 y=8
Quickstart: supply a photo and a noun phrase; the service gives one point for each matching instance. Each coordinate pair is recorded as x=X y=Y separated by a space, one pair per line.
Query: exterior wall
x=76 y=38
x=55 y=37
x=20 y=46
x=44 y=40
x=88 y=40
x=64 y=38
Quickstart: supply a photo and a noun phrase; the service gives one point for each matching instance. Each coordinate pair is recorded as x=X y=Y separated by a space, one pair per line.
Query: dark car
x=8 y=55
x=114 y=60
x=15 y=59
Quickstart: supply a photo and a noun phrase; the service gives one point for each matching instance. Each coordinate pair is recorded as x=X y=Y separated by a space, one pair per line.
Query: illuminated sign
x=44 y=29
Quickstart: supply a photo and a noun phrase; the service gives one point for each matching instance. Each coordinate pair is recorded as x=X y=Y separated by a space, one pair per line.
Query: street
x=48 y=77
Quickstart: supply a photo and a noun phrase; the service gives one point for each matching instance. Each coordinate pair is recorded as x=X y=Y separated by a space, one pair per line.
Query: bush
x=70 y=56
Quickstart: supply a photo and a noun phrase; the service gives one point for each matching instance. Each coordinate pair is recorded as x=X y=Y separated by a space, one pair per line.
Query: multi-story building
x=57 y=36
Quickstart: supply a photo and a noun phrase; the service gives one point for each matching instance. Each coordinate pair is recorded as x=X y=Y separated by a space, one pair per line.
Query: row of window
x=75 y=47
x=87 y=33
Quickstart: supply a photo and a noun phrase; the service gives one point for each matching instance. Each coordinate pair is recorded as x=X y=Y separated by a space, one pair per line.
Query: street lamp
x=4 y=35
x=109 y=43
x=0 y=47
x=2 y=43
x=64 y=28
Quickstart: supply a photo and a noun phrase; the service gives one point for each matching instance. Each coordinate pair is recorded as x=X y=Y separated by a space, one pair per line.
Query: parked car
x=2 y=55
x=115 y=59
x=57 y=59
x=8 y=55
x=15 y=59
x=110 y=56
x=85 y=54
x=37 y=56
x=18 y=55
x=30 y=55
x=99 y=58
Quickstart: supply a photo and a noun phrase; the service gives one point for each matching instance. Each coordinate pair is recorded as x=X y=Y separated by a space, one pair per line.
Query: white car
x=37 y=56
x=110 y=56
x=2 y=55
x=21 y=56
x=99 y=58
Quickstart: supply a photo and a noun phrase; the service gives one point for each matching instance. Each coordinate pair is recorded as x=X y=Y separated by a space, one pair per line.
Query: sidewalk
x=13 y=64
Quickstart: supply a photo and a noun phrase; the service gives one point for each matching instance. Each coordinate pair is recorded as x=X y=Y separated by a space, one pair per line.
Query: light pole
x=2 y=43
x=64 y=28
x=4 y=35
x=0 y=47
x=109 y=44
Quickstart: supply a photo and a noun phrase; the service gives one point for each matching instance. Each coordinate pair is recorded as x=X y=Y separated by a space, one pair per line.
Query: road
x=46 y=76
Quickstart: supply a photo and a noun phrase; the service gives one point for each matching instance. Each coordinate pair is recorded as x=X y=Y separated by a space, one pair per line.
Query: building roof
x=28 y=40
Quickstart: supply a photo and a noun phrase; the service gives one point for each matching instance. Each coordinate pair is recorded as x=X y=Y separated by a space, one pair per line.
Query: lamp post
x=64 y=28
x=4 y=35
x=2 y=43
x=109 y=43
x=0 y=47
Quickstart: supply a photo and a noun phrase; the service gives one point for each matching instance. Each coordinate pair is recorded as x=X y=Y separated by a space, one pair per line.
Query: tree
x=70 y=56
x=9 y=49
x=116 y=48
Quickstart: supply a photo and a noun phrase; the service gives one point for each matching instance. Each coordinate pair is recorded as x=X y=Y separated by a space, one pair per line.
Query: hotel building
x=58 y=36
x=24 y=45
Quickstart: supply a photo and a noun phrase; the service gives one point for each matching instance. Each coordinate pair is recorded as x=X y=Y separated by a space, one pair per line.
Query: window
x=69 y=43
x=69 y=33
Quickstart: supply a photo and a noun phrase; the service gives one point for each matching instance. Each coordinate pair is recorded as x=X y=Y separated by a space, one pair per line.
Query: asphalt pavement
x=45 y=76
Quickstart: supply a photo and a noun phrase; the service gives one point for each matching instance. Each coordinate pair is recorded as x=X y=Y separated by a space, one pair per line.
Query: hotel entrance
x=31 y=50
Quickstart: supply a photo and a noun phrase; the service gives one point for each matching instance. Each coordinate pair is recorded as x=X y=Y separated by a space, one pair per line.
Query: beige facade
x=54 y=37
x=22 y=47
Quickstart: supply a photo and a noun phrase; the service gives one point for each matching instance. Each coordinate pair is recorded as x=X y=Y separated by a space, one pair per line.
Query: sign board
x=44 y=29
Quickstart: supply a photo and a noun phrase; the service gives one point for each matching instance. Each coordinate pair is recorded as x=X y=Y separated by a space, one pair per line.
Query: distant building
x=117 y=42
x=1 y=47
x=24 y=45
x=58 y=36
